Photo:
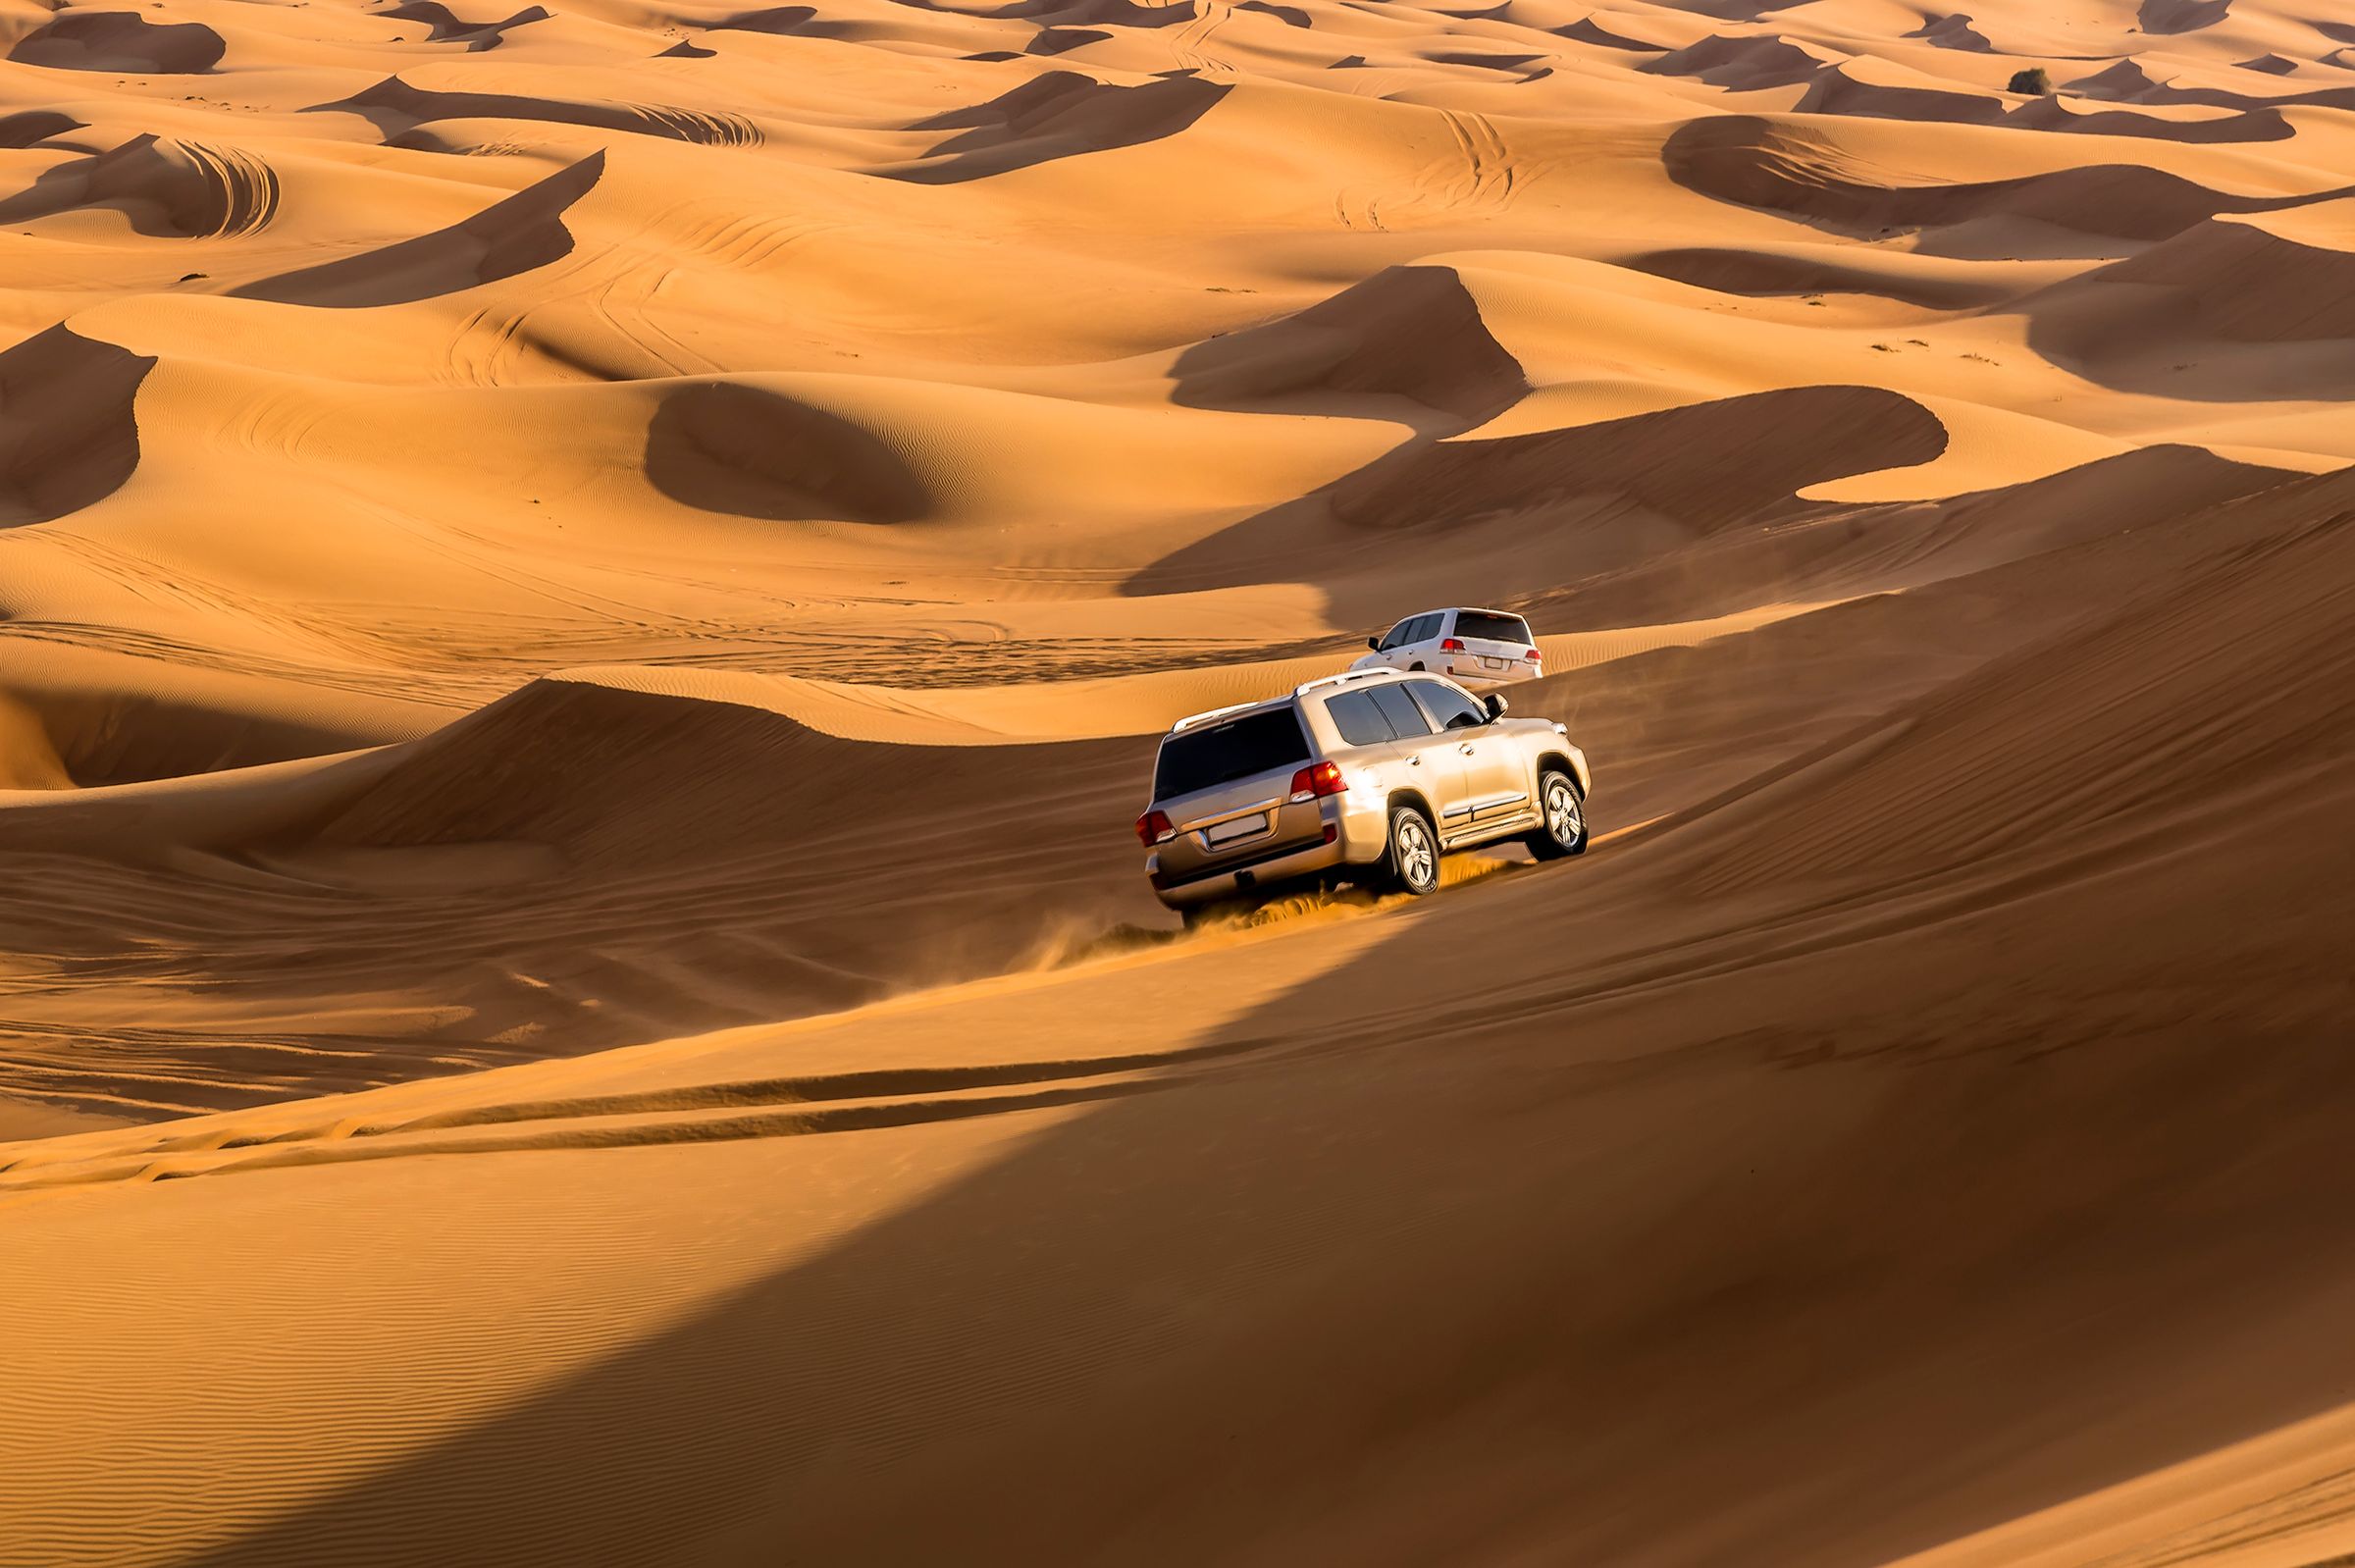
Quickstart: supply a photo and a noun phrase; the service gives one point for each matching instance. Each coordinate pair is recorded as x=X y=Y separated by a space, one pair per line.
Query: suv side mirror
x=1374 y=643
x=1494 y=704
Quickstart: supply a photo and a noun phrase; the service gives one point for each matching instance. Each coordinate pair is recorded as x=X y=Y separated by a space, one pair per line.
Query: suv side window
x=1449 y=709
x=1360 y=723
x=1427 y=627
x=1397 y=706
x=1397 y=635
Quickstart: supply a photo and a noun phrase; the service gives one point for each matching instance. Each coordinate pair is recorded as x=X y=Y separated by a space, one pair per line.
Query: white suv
x=1476 y=646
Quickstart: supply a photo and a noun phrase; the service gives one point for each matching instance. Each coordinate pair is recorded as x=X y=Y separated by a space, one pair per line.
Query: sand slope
x=587 y=591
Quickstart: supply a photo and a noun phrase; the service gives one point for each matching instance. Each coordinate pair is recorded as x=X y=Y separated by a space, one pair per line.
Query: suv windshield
x=1257 y=743
x=1492 y=626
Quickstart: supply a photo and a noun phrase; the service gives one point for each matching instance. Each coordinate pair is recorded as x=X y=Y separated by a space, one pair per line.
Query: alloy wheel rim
x=1414 y=853
x=1561 y=814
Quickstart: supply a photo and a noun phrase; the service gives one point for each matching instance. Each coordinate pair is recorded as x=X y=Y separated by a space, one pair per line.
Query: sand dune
x=2283 y=280
x=519 y=234
x=587 y=591
x=120 y=41
x=1412 y=332
x=66 y=400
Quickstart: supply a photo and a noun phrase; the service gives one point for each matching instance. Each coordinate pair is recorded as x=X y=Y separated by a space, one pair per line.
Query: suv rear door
x=1422 y=761
x=1495 y=784
x=1225 y=785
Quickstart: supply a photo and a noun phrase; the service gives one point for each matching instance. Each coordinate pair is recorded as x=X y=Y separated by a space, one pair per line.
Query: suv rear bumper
x=1482 y=680
x=1358 y=838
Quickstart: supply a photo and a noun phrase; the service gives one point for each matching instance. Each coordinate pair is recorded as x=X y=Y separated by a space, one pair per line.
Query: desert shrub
x=2031 y=81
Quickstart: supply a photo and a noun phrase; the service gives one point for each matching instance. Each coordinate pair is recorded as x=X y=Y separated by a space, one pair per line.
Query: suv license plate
x=1239 y=827
x=1491 y=663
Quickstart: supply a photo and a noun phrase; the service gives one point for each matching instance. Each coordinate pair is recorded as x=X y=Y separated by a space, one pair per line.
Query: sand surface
x=587 y=592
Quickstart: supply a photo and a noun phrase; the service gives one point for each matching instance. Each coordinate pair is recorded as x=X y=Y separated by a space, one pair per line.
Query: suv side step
x=1490 y=833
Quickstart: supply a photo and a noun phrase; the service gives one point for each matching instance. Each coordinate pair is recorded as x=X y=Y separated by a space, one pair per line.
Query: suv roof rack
x=1343 y=679
x=1192 y=719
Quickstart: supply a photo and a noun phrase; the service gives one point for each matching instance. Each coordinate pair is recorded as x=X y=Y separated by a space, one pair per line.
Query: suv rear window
x=1492 y=626
x=1256 y=743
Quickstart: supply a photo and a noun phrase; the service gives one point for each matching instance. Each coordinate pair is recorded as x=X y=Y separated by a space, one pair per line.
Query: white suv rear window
x=1494 y=627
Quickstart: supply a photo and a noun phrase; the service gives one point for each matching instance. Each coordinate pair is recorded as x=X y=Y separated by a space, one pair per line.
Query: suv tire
x=1563 y=830
x=1411 y=864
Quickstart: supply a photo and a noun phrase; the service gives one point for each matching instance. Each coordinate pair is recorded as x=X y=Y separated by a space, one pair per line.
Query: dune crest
x=523 y=233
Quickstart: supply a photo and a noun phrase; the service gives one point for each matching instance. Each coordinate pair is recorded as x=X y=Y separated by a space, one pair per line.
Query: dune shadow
x=69 y=435
x=2259 y=124
x=518 y=235
x=721 y=447
x=1607 y=1256
x=400 y=113
x=2168 y=18
x=1057 y=115
x=1806 y=178
x=2224 y=312
x=1062 y=40
x=30 y=127
x=164 y=187
x=1765 y=275
x=449 y=28
x=121 y=41
x=1678 y=473
x=770 y=19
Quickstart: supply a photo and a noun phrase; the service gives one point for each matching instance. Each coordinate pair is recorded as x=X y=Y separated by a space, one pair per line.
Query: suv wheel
x=1564 y=832
x=1414 y=856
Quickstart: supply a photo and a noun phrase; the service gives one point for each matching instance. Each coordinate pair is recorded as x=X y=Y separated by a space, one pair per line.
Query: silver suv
x=1373 y=773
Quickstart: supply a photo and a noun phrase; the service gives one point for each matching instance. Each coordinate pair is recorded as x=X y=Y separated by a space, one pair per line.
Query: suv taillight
x=1536 y=657
x=1154 y=828
x=1451 y=645
x=1318 y=778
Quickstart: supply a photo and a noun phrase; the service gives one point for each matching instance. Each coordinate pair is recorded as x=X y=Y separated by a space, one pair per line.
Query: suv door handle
x=1466 y=748
x=1414 y=761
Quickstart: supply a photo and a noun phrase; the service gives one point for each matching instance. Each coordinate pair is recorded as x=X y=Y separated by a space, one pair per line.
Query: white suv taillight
x=1154 y=828
x=1536 y=657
